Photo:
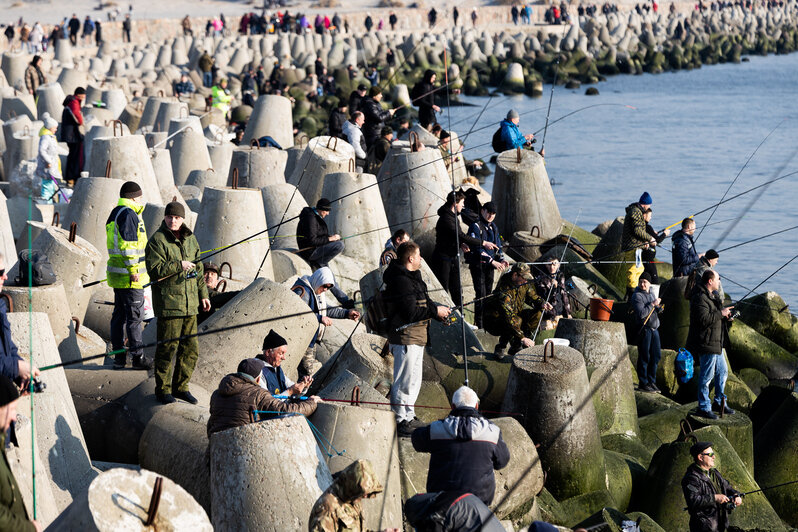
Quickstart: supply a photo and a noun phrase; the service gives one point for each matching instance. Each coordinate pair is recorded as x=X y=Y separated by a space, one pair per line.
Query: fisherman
x=379 y=151
x=13 y=515
x=445 y=147
x=398 y=238
x=126 y=238
x=649 y=254
x=218 y=298
x=411 y=310
x=552 y=283
x=220 y=96
x=275 y=348
x=71 y=120
x=240 y=393
x=356 y=97
x=683 y=253
x=12 y=365
x=706 y=339
x=465 y=449
x=335 y=124
x=311 y=289
x=375 y=115
x=446 y=258
x=511 y=134
x=352 y=131
x=340 y=507
x=646 y=309
x=707 y=261
x=173 y=264
x=505 y=315
x=423 y=95
x=450 y=511
x=635 y=238
x=205 y=65
x=184 y=88
x=706 y=492
x=483 y=262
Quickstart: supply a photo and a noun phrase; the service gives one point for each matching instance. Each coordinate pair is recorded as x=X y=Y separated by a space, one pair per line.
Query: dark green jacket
x=175 y=296
x=504 y=308
x=13 y=516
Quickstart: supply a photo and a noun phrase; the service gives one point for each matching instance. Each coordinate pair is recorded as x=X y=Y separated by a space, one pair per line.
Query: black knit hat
x=323 y=204
x=273 y=340
x=645 y=276
x=175 y=209
x=251 y=366
x=8 y=391
x=711 y=254
x=80 y=90
x=130 y=190
x=699 y=448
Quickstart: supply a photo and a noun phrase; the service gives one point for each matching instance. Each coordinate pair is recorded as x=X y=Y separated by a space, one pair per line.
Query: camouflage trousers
x=527 y=320
x=184 y=353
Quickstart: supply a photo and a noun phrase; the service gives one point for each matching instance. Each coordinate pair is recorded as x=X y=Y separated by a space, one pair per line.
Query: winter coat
x=355 y=99
x=464 y=450
x=71 y=120
x=511 y=135
x=312 y=232
x=238 y=395
x=9 y=356
x=634 y=228
x=408 y=302
x=305 y=287
x=176 y=296
x=642 y=305
x=340 y=507
x=336 y=123
x=48 y=155
x=706 y=515
x=205 y=63
x=683 y=253
x=699 y=268
x=33 y=78
x=13 y=515
x=375 y=119
x=707 y=331
x=423 y=95
x=559 y=299
x=354 y=136
x=448 y=234
x=503 y=310
x=484 y=231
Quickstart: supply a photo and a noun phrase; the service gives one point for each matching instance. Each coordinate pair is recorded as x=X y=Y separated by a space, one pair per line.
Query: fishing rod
x=404 y=62
x=730 y=504
x=551 y=94
x=433 y=91
x=769 y=276
x=358 y=402
x=758 y=238
x=584 y=109
x=739 y=173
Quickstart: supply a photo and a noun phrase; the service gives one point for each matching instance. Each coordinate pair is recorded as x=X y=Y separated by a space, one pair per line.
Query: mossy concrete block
x=667 y=380
x=738 y=430
x=486 y=375
x=624 y=474
x=646 y=523
x=675 y=319
x=766 y=404
x=432 y=395
x=612 y=519
x=585 y=237
x=574 y=266
x=341 y=389
x=661 y=496
x=738 y=394
x=662 y=427
x=581 y=507
x=627 y=445
x=749 y=349
x=609 y=249
x=769 y=315
x=776 y=459
x=754 y=379
x=650 y=403
x=551 y=511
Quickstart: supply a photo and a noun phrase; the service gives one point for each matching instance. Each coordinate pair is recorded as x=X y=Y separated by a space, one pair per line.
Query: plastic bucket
x=600 y=309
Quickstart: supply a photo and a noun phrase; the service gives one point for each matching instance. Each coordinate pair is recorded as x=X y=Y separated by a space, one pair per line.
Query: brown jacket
x=236 y=397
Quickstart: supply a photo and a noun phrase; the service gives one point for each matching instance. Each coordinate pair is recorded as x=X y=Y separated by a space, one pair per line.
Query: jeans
x=648 y=355
x=322 y=255
x=207 y=79
x=407 y=368
x=126 y=318
x=713 y=369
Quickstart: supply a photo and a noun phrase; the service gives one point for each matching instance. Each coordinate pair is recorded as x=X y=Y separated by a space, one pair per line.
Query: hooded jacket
x=642 y=304
x=408 y=302
x=683 y=254
x=236 y=397
x=340 y=508
x=511 y=135
x=375 y=119
x=305 y=287
x=464 y=450
x=422 y=93
x=312 y=232
x=448 y=233
x=699 y=493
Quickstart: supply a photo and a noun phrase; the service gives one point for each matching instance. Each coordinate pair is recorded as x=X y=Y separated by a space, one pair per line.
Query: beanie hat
x=80 y=90
x=490 y=207
x=386 y=131
x=645 y=199
x=711 y=254
x=251 y=366
x=645 y=276
x=175 y=209
x=699 y=448
x=273 y=340
x=323 y=205
x=49 y=121
x=445 y=134
x=374 y=91
x=130 y=190
x=511 y=114
x=8 y=391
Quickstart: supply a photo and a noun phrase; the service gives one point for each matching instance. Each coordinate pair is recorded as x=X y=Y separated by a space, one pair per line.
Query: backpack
x=497 y=142
x=377 y=314
x=684 y=366
x=41 y=269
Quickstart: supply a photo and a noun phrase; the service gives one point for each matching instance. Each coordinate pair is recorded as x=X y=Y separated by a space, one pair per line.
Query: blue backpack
x=684 y=366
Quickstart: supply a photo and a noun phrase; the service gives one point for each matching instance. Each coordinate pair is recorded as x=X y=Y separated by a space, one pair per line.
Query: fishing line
x=407 y=57
x=30 y=344
x=758 y=238
x=769 y=276
x=551 y=94
x=358 y=402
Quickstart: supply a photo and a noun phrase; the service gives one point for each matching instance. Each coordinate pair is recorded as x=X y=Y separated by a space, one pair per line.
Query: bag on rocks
x=377 y=315
x=42 y=273
x=684 y=365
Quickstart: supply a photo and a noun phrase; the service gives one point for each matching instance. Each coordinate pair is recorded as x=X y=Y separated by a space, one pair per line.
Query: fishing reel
x=451 y=319
x=731 y=505
x=33 y=385
x=734 y=315
x=191 y=274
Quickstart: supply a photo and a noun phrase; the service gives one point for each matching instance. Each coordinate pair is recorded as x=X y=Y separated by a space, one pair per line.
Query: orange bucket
x=600 y=309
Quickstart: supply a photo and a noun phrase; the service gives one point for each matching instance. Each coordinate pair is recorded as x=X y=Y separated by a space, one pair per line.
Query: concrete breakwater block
x=769 y=315
x=603 y=345
x=175 y=444
x=555 y=398
x=257 y=167
x=228 y=215
x=282 y=203
x=342 y=387
x=65 y=457
x=362 y=355
x=130 y=161
x=738 y=430
x=523 y=195
x=50 y=299
x=119 y=499
x=324 y=155
x=675 y=319
x=243 y=495
x=288 y=266
x=367 y=434
x=92 y=201
x=188 y=152
x=285 y=312
x=361 y=213
x=7 y=247
x=271 y=116
x=749 y=349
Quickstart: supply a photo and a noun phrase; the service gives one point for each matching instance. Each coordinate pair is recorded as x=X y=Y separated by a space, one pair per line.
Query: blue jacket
x=9 y=357
x=512 y=136
x=482 y=230
x=683 y=254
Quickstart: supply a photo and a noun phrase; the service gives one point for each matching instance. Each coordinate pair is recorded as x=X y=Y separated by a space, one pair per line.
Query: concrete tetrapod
x=228 y=215
x=749 y=349
x=738 y=430
x=130 y=161
x=65 y=458
x=271 y=116
x=324 y=155
x=342 y=388
x=175 y=444
x=74 y=264
x=50 y=99
x=119 y=499
x=768 y=315
x=220 y=353
x=221 y=154
x=50 y=299
x=362 y=356
x=554 y=398
x=361 y=211
x=188 y=152
x=244 y=495
x=366 y=434
x=603 y=344
x=257 y=167
x=161 y=161
x=523 y=195
x=276 y=200
x=7 y=247
x=675 y=319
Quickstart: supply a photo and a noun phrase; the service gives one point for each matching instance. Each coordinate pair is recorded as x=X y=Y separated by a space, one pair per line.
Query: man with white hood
x=312 y=288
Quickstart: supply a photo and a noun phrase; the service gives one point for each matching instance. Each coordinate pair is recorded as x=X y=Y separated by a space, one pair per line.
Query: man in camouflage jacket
x=339 y=508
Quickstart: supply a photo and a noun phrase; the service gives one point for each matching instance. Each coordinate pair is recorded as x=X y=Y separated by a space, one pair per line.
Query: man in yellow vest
x=221 y=96
x=126 y=238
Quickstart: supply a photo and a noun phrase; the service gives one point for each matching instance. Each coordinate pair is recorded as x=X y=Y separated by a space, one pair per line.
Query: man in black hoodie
x=411 y=310
x=446 y=257
x=424 y=97
x=375 y=115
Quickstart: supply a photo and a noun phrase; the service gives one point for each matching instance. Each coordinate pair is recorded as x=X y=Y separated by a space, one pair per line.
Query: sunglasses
x=708 y=454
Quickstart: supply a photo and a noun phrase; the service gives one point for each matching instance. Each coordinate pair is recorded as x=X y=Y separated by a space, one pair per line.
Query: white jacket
x=48 y=154
x=355 y=136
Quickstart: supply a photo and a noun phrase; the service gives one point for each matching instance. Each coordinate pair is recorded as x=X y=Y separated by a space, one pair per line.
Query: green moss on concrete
x=432 y=394
x=586 y=238
x=646 y=523
x=583 y=506
x=661 y=494
x=749 y=349
x=675 y=319
x=624 y=473
x=662 y=427
x=776 y=459
x=551 y=510
x=613 y=518
x=627 y=445
x=738 y=394
x=754 y=379
x=650 y=403
x=766 y=404
x=737 y=429
x=769 y=315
